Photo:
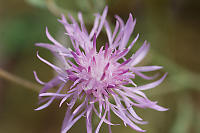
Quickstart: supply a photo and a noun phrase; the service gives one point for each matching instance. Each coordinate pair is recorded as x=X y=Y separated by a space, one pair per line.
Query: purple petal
x=98 y=114
x=145 y=76
x=95 y=26
x=82 y=23
x=51 y=38
x=133 y=42
x=73 y=101
x=73 y=20
x=108 y=31
x=140 y=54
x=103 y=18
x=148 y=68
x=54 y=48
x=127 y=121
x=79 y=108
x=121 y=22
x=115 y=30
x=64 y=99
x=52 y=83
x=66 y=119
x=151 y=85
x=128 y=29
x=102 y=119
x=158 y=108
x=109 y=119
x=51 y=100
x=48 y=63
x=52 y=94
x=130 y=109
x=71 y=123
x=37 y=79
x=89 y=119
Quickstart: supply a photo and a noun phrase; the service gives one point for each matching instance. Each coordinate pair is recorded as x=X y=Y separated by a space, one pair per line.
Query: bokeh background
x=171 y=26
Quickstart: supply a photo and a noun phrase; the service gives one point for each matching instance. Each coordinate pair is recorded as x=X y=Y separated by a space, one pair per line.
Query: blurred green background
x=171 y=26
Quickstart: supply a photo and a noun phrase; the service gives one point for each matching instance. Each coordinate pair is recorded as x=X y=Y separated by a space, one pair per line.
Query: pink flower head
x=99 y=81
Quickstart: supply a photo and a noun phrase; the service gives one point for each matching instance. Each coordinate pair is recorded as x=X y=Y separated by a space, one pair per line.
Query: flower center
x=99 y=73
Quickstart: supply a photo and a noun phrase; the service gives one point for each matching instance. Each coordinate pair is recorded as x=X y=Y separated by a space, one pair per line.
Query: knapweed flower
x=101 y=80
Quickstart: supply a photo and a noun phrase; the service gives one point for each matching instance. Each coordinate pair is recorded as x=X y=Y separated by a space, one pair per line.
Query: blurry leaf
x=15 y=32
x=184 y=116
x=19 y=33
x=37 y=3
x=179 y=78
x=87 y=7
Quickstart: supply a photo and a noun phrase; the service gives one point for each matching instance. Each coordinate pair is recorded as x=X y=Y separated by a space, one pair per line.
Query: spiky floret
x=99 y=76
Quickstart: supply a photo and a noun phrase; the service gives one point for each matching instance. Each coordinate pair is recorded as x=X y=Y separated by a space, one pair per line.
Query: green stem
x=20 y=81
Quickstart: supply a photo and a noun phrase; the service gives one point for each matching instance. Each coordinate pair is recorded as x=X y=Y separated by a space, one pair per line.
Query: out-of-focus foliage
x=171 y=26
x=13 y=33
x=87 y=7
x=84 y=6
x=185 y=116
x=37 y=3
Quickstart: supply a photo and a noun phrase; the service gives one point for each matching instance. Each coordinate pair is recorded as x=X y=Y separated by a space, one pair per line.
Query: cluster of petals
x=101 y=80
